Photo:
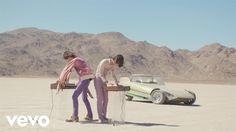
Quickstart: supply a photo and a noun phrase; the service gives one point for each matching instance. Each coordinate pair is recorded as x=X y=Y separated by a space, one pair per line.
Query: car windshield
x=148 y=79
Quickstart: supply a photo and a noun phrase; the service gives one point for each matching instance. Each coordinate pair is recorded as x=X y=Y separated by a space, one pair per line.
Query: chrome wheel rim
x=157 y=97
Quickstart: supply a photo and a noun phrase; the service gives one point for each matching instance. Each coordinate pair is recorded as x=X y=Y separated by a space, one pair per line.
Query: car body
x=153 y=88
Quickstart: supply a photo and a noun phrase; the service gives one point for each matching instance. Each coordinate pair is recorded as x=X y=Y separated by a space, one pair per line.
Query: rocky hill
x=36 y=52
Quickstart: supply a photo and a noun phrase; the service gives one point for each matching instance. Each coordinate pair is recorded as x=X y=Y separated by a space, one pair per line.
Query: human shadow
x=149 y=124
x=95 y=122
x=129 y=123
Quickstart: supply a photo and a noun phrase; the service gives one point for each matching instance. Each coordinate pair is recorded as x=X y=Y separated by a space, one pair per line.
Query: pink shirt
x=82 y=69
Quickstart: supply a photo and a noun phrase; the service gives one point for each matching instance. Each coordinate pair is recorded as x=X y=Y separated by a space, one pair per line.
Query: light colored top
x=103 y=68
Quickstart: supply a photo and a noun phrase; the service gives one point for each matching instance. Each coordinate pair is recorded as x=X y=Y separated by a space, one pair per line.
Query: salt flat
x=214 y=110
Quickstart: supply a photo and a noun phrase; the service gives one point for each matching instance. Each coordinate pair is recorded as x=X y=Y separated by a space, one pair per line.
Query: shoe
x=73 y=119
x=87 y=118
x=103 y=121
x=106 y=119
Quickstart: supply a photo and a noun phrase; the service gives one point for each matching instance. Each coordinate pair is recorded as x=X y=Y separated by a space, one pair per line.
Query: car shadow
x=194 y=105
x=149 y=124
x=141 y=101
x=150 y=102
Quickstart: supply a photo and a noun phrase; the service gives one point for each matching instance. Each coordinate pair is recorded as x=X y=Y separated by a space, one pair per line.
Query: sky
x=176 y=24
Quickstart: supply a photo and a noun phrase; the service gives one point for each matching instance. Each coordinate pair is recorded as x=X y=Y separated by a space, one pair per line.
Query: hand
x=60 y=86
x=90 y=94
x=106 y=82
x=63 y=85
x=117 y=84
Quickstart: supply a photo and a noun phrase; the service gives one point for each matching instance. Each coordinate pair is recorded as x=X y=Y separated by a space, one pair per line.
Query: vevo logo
x=23 y=121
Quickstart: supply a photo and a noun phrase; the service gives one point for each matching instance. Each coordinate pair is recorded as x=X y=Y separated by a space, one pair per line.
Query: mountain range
x=37 y=52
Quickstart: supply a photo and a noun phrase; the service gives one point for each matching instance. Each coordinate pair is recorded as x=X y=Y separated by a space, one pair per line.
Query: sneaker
x=73 y=119
x=87 y=118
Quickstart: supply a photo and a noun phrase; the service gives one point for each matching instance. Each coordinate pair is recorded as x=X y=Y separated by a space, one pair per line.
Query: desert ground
x=214 y=110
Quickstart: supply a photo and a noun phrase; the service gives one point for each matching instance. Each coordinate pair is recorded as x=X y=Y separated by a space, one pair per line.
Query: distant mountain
x=36 y=52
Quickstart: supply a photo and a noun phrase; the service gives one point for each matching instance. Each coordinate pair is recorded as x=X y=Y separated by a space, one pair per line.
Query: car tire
x=129 y=98
x=191 y=101
x=158 y=97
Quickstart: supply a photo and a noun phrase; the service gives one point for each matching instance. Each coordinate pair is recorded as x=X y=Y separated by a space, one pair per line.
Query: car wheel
x=191 y=101
x=158 y=97
x=129 y=98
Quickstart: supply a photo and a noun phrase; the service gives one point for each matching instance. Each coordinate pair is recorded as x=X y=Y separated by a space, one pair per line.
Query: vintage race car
x=151 y=87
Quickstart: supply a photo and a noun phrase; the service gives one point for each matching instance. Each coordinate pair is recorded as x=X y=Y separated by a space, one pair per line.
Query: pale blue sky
x=186 y=24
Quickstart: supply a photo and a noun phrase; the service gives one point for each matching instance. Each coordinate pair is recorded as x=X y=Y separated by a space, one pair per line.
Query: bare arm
x=114 y=77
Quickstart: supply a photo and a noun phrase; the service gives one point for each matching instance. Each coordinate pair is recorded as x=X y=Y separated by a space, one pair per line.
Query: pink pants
x=102 y=98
